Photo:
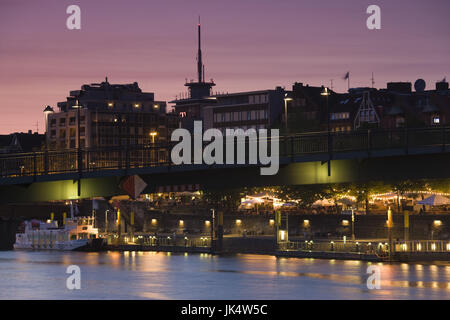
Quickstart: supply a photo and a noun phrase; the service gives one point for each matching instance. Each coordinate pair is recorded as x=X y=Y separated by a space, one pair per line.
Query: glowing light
x=325 y=92
x=419 y=247
x=345 y=222
x=207 y=223
x=238 y=222
x=437 y=223
x=271 y=222
x=181 y=223
x=306 y=223
x=154 y=222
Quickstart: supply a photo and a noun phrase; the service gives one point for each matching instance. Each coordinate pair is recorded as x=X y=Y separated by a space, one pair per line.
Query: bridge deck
x=72 y=164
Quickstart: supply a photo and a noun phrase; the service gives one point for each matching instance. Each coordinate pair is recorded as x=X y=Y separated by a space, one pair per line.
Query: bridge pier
x=8 y=229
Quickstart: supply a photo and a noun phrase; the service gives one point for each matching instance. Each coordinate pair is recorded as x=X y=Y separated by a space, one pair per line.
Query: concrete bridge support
x=8 y=229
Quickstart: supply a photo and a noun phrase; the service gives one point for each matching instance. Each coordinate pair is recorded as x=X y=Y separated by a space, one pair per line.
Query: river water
x=151 y=275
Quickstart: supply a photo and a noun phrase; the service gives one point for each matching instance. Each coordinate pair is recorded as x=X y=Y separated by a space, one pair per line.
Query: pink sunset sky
x=247 y=45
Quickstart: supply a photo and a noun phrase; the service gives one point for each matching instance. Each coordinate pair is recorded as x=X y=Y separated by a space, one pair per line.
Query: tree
x=306 y=194
x=406 y=186
x=362 y=191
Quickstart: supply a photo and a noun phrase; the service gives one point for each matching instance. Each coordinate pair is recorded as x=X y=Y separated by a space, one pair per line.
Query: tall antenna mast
x=199 y=55
x=373 y=80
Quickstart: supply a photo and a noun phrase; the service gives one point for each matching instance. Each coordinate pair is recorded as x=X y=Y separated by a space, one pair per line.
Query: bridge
x=307 y=158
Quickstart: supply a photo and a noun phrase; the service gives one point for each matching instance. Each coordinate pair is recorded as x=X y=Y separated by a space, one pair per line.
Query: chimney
x=441 y=86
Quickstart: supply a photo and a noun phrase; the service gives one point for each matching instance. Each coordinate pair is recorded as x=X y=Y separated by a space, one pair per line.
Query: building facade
x=108 y=115
x=245 y=110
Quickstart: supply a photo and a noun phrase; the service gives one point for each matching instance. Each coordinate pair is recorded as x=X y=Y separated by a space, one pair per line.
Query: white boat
x=76 y=233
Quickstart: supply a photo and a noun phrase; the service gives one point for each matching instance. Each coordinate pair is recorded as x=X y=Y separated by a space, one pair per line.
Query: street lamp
x=326 y=93
x=286 y=99
x=353 y=224
x=390 y=224
x=153 y=134
x=78 y=107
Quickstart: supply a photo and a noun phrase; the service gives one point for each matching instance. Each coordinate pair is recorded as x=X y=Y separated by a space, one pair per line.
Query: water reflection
x=152 y=275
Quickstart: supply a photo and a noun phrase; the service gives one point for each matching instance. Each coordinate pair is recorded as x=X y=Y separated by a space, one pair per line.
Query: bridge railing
x=136 y=156
x=83 y=160
x=365 y=140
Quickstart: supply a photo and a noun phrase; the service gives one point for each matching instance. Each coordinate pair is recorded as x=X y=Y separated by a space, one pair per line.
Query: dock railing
x=366 y=247
x=423 y=246
x=363 y=247
x=153 y=241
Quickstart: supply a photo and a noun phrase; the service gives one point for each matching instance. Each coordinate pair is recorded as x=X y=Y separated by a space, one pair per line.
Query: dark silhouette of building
x=307 y=110
x=397 y=106
x=22 y=142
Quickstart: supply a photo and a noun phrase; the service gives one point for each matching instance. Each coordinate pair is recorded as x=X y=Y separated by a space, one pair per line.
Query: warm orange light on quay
x=437 y=223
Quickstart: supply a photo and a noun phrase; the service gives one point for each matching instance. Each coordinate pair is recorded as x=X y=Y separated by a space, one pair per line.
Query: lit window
x=436 y=120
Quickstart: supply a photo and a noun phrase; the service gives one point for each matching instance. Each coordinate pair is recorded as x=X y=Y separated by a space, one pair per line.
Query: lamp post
x=153 y=134
x=390 y=224
x=326 y=93
x=286 y=99
x=78 y=107
x=353 y=224
x=106 y=221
